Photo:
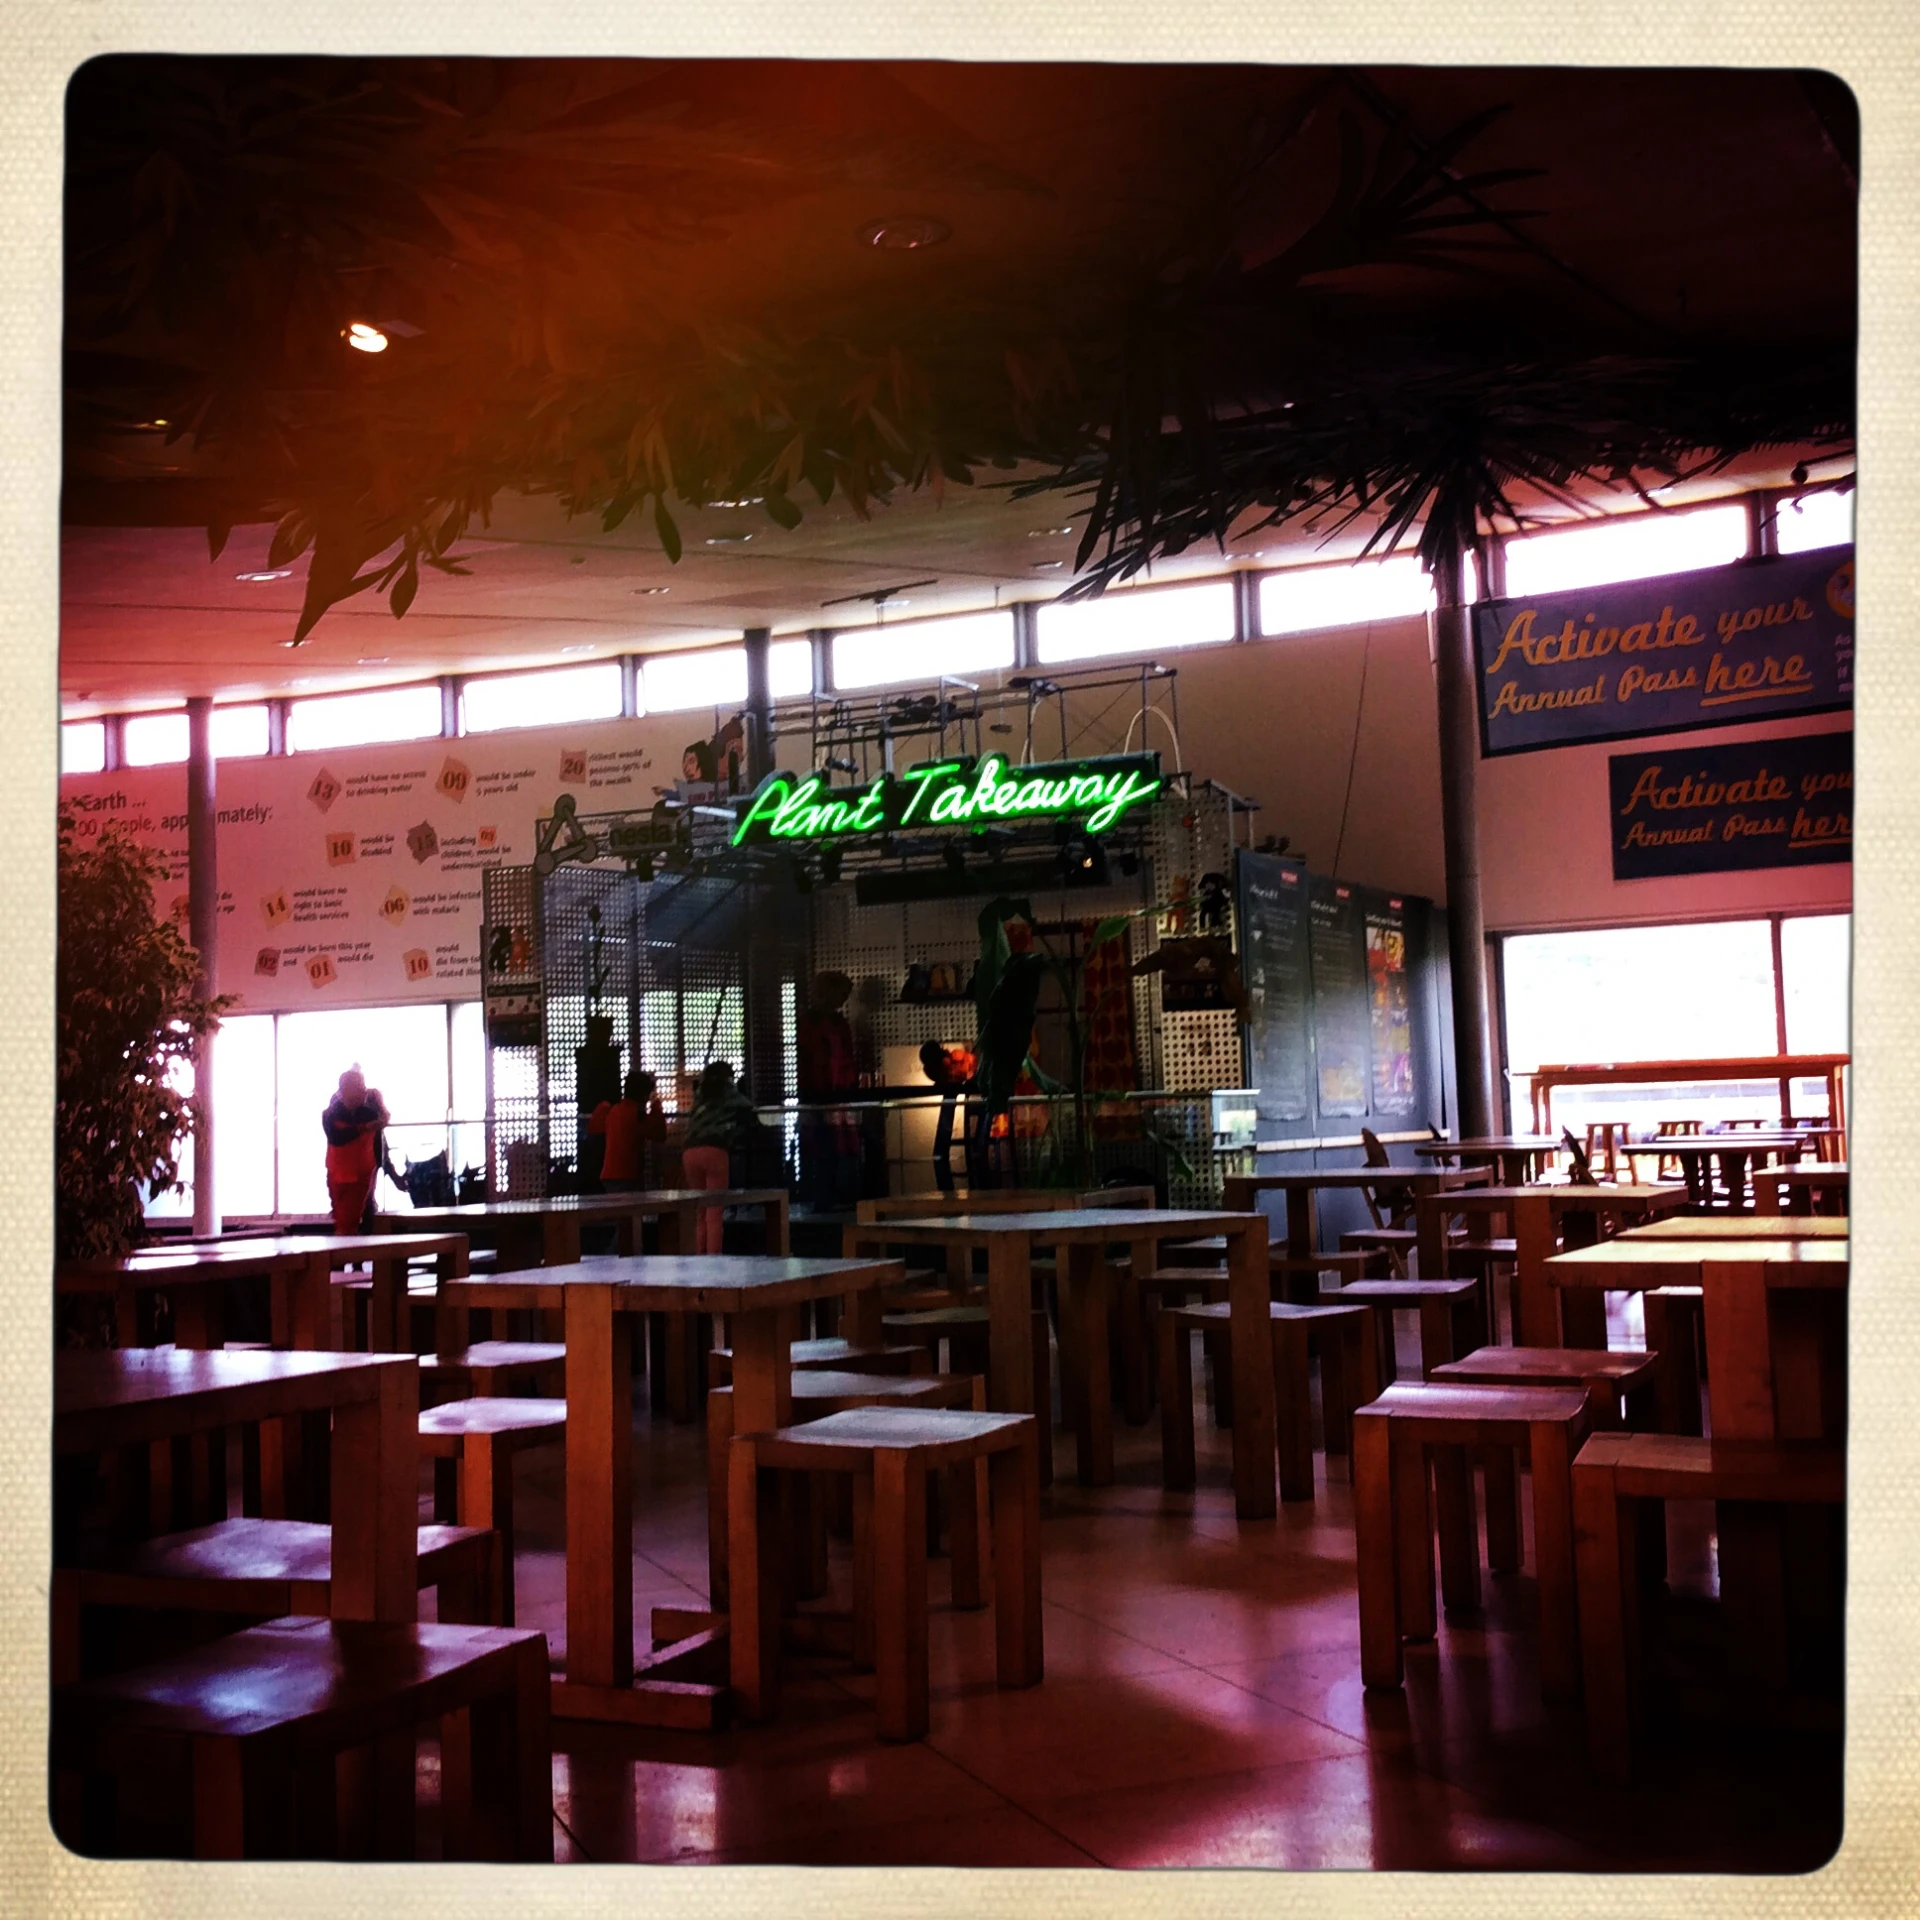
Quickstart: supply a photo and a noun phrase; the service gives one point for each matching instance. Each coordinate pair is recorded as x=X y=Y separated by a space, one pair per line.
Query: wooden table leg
x=1294 y=1407
x=1255 y=1440
x=1014 y=1479
x=778 y=1225
x=1605 y=1603
x=374 y=1500
x=1299 y=1221
x=1084 y=1311
x=1374 y=1535
x=1136 y=1364
x=1551 y=1446
x=1430 y=1227
x=311 y=1303
x=450 y=1322
x=1459 y=1530
x=1009 y=1325
x=599 y=1466
x=1535 y=1312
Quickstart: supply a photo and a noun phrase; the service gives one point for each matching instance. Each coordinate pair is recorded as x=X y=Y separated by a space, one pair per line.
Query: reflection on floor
x=1202 y=1707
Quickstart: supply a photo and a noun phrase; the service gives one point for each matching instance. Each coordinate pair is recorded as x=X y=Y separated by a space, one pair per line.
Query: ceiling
x=1693 y=206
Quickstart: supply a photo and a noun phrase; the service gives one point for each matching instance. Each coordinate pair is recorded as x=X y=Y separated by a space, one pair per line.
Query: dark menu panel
x=1273 y=968
x=1341 y=1019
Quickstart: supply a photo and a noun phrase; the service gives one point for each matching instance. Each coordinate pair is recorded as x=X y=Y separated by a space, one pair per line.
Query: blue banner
x=1706 y=649
x=1762 y=803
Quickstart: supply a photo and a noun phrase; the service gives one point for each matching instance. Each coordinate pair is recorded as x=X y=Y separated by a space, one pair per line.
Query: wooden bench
x=297 y=1738
x=818 y=1392
x=889 y=1451
x=1613 y=1473
x=265 y=1568
x=1347 y=1379
x=1394 y=1523
x=471 y=1444
x=502 y=1366
x=1452 y=1318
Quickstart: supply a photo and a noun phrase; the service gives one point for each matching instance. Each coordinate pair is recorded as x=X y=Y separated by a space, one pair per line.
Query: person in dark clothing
x=355 y=1121
x=722 y=1119
x=830 y=1148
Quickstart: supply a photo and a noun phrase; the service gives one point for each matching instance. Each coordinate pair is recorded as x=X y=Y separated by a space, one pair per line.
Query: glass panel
x=239 y=733
x=1317 y=599
x=702 y=677
x=1621 y=994
x=402 y=1051
x=363 y=719
x=1814 y=520
x=1815 y=952
x=966 y=643
x=177 y=1203
x=243 y=1056
x=1139 y=620
x=541 y=699
x=790 y=669
x=153 y=739
x=1630 y=546
x=469 y=1089
x=83 y=746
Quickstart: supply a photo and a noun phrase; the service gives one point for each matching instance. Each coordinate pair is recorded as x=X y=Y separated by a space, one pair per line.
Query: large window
x=1136 y=620
x=1314 y=599
x=83 y=746
x=1694 y=992
x=1628 y=546
x=363 y=719
x=1814 y=520
x=544 y=699
x=717 y=676
x=161 y=739
x=963 y=644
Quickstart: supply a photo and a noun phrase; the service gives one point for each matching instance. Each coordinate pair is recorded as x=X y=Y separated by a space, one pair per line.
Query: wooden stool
x=1172 y=1286
x=1394 y=1525
x=1615 y=1471
x=1295 y=1273
x=471 y=1444
x=1676 y=1325
x=1607 y=1375
x=261 y=1567
x=889 y=1451
x=1395 y=1242
x=818 y=1392
x=1451 y=1319
x=964 y=1329
x=488 y=1367
x=841 y=1356
x=263 y=1726
x=1346 y=1378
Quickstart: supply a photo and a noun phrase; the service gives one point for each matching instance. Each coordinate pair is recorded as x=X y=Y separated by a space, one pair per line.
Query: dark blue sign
x=1705 y=649
x=1762 y=803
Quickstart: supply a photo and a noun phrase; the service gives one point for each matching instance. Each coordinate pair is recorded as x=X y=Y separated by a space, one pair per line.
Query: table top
x=1813 y=1173
x=1626 y=1264
x=1068 y=1224
x=1745 y=1227
x=1564 y=1197
x=1494 y=1143
x=119 y=1397
x=587 y=1205
x=301 y=1246
x=1741 y=1140
x=1347 y=1177
x=682 y=1282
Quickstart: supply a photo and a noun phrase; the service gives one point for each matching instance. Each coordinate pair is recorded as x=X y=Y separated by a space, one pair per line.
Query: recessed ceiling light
x=755 y=501
x=583 y=649
x=271 y=573
x=293 y=643
x=728 y=539
x=1048 y=566
x=648 y=592
x=906 y=233
x=364 y=337
x=1046 y=533
x=373 y=660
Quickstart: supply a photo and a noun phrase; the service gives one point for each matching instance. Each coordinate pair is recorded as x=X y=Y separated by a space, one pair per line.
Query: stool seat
x=939 y=1436
x=1441 y=1304
x=832 y=1352
x=256 y=1709
x=488 y=1363
x=442 y=1428
x=1605 y=1373
x=472 y=1444
x=955 y=1315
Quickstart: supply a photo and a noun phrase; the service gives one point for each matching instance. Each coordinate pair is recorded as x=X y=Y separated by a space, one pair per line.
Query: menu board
x=1273 y=969
x=1341 y=1018
x=1389 y=1007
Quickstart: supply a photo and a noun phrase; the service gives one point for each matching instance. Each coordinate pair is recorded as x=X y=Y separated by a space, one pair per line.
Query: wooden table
x=153 y=1396
x=1747 y=1228
x=1239 y=1191
x=1511 y=1155
x=760 y=1294
x=299 y=1270
x=546 y=1233
x=1773 y=1369
x=1806 y=1188
x=1734 y=1150
x=1539 y=1215
x=1081 y=1234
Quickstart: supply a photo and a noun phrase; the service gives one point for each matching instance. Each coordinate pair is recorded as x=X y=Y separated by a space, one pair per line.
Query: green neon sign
x=950 y=793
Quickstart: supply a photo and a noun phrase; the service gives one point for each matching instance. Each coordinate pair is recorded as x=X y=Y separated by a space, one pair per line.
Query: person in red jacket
x=633 y=1126
x=354 y=1122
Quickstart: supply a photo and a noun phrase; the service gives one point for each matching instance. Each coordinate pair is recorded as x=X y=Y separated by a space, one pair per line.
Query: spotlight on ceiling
x=907 y=233
x=647 y=593
x=1085 y=861
x=364 y=337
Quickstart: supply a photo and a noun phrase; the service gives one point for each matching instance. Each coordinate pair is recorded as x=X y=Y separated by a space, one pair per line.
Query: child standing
x=721 y=1120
